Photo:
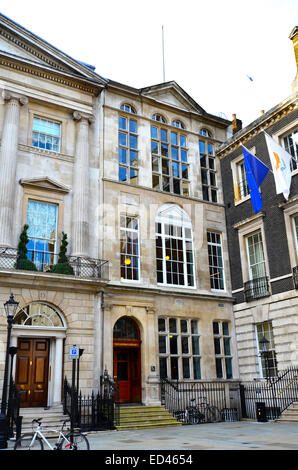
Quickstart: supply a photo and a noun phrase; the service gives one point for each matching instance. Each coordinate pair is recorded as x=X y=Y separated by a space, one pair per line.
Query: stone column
x=57 y=372
x=152 y=396
x=80 y=203
x=98 y=340
x=8 y=163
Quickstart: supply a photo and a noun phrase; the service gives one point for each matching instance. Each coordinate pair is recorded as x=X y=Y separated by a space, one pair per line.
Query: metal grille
x=256 y=288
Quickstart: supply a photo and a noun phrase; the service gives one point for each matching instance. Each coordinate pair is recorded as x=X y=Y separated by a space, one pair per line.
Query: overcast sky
x=211 y=46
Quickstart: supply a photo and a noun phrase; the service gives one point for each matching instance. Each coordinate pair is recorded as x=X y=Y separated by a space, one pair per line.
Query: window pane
x=217 y=347
x=219 y=373
x=195 y=345
x=162 y=344
x=122 y=139
x=196 y=368
x=182 y=141
x=184 y=345
x=122 y=123
x=163 y=135
x=174 y=368
x=132 y=126
x=163 y=367
x=122 y=173
x=227 y=348
x=161 y=324
x=173 y=325
x=194 y=326
x=186 y=370
x=229 y=370
x=154 y=132
x=183 y=326
x=174 y=138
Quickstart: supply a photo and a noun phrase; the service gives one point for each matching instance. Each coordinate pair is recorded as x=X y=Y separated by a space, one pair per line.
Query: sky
x=211 y=47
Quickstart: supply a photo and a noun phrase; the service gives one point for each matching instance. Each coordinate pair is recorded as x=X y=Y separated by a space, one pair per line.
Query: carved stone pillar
x=8 y=163
x=80 y=203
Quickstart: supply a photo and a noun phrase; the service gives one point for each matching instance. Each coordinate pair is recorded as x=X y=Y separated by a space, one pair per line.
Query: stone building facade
x=263 y=247
x=131 y=176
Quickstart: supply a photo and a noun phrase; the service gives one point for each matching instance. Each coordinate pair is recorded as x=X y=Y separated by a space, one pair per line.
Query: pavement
x=239 y=435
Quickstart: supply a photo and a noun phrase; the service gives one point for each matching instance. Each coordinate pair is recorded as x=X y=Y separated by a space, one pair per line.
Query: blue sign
x=74 y=352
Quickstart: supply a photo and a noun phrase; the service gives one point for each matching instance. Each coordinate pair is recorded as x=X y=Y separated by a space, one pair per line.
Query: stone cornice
x=256 y=127
x=44 y=51
x=41 y=71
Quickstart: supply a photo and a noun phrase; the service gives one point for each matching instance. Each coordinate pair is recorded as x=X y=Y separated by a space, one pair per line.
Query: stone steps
x=51 y=417
x=290 y=415
x=145 y=417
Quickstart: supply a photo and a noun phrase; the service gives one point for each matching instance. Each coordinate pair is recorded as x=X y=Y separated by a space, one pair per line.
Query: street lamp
x=10 y=308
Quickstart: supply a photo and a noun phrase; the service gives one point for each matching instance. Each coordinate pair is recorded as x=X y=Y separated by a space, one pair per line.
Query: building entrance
x=127 y=360
x=32 y=370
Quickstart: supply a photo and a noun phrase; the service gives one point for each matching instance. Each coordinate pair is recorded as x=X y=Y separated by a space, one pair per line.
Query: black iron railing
x=82 y=266
x=96 y=412
x=13 y=412
x=177 y=396
x=295 y=277
x=256 y=288
x=277 y=393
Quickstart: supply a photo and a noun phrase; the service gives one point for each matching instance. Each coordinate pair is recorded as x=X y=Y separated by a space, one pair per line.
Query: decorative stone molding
x=78 y=116
x=9 y=95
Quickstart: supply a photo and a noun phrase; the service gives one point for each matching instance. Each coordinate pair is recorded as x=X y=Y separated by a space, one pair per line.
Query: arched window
x=174 y=247
x=158 y=118
x=39 y=314
x=178 y=124
x=205 y=133
x=126 y=328
x=128 y=108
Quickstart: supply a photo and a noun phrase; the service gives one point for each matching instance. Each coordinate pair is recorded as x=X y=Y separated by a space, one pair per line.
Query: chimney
x=294 y=38
x=236 y=124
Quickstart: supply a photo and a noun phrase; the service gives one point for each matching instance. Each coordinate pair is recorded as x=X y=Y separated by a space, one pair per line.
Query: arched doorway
x=38 y=332
x=127 y=359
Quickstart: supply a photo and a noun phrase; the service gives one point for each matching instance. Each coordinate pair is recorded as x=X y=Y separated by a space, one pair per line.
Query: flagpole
x=257 y=158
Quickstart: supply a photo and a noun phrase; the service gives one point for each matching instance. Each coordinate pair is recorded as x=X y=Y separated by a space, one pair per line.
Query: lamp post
x=264 y=343
x=10 y=308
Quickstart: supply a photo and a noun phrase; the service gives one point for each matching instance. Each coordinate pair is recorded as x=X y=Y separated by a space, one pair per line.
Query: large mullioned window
x=170 y=169
x=222 y=349
x=208 y=167
x=216 y=268
x=129 y=248
x=290 y=142
x=174 y=248
x=128 y=147
x=179 y=348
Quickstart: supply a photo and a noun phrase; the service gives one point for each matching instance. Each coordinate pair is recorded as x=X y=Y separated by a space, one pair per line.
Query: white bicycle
x=73 y=440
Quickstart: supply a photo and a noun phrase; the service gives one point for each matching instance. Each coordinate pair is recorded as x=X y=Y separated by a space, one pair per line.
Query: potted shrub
x=22 y=261
x=63 y=266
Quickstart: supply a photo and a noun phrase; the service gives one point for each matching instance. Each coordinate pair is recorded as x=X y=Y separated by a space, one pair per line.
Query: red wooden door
x=32 y=366
x=127 y=374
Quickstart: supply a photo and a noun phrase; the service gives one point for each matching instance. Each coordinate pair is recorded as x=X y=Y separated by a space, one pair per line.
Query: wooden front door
x=32 y=366
x=127 y=373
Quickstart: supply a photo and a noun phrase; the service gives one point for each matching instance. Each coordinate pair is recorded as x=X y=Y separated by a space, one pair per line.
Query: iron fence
x=82 y=266
x=13 y=412
x=96 y=412
x=277 y=394
x=177 y=396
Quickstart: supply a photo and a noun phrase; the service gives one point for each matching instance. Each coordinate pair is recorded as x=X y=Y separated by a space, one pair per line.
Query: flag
x=250 y=78
x=281 y=166
x=256 y=172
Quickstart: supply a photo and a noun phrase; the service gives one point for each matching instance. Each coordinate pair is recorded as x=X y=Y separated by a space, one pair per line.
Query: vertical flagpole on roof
x=163 y=54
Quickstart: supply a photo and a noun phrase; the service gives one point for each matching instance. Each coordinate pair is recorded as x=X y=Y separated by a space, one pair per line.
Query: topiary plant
x=62 y=267
x=22 y=261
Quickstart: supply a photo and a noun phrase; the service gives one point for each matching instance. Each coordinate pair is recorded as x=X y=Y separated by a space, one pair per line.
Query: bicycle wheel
x=213 y=414
x=77 y=441
x=24 y=442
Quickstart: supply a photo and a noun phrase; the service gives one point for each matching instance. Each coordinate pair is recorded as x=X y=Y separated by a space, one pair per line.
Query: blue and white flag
x=256 y=172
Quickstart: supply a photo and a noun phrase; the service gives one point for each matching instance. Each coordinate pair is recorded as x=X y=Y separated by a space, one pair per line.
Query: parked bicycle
x=202 y=412
x=73 y=440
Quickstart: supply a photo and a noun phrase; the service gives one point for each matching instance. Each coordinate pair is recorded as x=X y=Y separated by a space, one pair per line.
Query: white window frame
x=167 y=334
x=222 y=356
x=240 y=196
x=128 y=167
x=220 y=245
x=270 y=349
x=282 y=133
x=46 y=119
x=251 y=265
x=137 y=233
x=179 y=219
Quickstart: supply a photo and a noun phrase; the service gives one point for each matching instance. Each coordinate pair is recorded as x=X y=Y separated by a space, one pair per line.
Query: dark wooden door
x=127 y=374
x=32 y=366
